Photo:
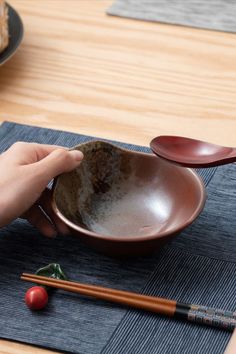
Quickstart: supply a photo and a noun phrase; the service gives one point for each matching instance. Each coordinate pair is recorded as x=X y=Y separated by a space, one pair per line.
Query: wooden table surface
x=83 y=71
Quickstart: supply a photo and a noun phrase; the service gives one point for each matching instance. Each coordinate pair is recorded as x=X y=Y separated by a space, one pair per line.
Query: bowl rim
x=133 y=238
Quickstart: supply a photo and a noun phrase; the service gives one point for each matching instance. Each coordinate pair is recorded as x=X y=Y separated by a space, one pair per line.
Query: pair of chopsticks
x=195 y=313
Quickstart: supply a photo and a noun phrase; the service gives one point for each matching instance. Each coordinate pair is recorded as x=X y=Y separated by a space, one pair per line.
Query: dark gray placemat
x=185 y=277
x=70 y=323
x=210 y=14
x=183 y=271
x=198 y=267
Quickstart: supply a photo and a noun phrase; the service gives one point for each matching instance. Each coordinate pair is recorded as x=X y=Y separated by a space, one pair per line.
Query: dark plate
x=16 y=34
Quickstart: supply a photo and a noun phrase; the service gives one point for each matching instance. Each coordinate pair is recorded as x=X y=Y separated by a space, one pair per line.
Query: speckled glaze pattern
x=120 y=198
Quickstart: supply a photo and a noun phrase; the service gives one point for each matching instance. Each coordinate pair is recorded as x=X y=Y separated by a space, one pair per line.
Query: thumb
x=59 y=161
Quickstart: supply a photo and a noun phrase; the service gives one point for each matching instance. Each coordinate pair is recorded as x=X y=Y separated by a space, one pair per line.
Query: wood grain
x=80 y=70
x=83 y=71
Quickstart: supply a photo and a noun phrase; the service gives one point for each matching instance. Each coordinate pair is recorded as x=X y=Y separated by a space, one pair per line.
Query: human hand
x=26 y=169
x=231 y=347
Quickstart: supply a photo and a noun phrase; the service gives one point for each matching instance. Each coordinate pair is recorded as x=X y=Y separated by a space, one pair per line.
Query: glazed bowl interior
x=120 y=194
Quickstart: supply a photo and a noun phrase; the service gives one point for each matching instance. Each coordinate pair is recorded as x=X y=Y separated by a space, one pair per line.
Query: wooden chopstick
x=162 y=306
x=195 y=313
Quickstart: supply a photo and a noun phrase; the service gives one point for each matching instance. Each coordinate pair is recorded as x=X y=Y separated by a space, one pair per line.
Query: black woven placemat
x=211 y=14
x=199 y=266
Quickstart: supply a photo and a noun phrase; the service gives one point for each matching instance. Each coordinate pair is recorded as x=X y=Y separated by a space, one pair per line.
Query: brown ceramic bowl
x=126 y=203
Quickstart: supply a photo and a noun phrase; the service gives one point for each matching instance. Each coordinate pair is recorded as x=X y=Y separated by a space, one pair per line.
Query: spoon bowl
x=191 y=152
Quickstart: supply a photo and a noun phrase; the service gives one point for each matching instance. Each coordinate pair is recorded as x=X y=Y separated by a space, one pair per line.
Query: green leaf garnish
x=52 y=270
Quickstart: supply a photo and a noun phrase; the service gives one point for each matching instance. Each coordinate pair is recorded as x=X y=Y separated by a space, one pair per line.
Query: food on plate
x=4 y=33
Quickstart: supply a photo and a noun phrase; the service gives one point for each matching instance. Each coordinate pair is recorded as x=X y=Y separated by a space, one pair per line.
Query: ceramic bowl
x=126 y=203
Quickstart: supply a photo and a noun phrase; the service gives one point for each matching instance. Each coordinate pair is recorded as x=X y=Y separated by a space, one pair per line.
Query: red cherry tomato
x=36 y=298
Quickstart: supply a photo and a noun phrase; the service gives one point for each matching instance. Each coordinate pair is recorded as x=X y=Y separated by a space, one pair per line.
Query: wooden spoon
x=191 y=152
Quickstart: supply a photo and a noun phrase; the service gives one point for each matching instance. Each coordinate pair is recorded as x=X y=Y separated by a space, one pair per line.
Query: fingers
x=37 y=218
x=45 y=203
x=50 y=160
x=25 y=153
x=26 y=170
x=43 y=150
x=231 y=347
x=43 y=217
x=59 y=161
